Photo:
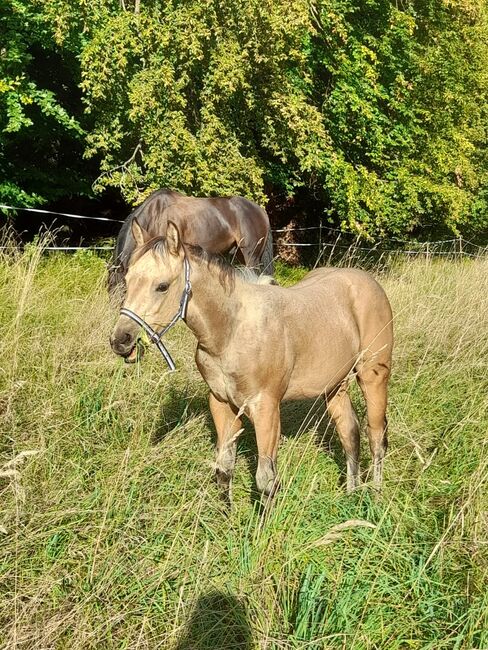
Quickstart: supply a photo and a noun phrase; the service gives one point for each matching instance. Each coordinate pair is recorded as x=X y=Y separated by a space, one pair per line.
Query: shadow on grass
x=218 y=622
x=297 y=417
x=180 y=406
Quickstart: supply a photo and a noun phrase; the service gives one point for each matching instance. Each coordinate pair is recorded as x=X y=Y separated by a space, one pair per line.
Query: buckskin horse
x=217 y=224
x=259 y=345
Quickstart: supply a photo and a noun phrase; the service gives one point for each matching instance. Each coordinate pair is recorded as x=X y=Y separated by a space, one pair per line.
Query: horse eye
x=162 y=286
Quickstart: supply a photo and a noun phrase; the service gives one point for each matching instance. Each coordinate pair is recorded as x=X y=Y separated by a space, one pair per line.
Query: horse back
x=251 y=218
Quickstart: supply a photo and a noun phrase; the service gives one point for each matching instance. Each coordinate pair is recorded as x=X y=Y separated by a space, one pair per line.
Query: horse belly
x=321 y=368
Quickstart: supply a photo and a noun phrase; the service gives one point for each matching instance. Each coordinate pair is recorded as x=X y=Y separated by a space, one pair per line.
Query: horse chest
x=221 y=383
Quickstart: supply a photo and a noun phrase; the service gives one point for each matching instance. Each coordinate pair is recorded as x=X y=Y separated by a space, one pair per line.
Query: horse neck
x=213 y=307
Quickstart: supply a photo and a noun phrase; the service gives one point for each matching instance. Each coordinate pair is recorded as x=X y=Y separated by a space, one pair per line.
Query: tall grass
x=111 y=531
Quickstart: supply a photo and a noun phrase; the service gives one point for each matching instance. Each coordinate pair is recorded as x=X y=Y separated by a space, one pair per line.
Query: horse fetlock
x=353 y=479
x=266 y=479
x=224 y=485
x=378 y=472
x=353 y=482
x=378 y=443
x=385 y=436
x=223 y=478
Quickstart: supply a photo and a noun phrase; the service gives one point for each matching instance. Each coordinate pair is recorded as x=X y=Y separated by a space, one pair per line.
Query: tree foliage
x=377 y=110
x=41 y=139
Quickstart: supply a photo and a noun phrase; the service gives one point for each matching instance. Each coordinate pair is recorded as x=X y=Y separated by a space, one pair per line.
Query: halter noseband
x=181 y=313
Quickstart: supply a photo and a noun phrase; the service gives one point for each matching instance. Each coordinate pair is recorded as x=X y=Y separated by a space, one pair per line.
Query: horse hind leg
x=250 y=251
x=373 y=381
x=342 y=412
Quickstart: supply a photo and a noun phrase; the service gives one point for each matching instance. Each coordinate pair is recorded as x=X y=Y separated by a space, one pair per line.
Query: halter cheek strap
x=180 y=314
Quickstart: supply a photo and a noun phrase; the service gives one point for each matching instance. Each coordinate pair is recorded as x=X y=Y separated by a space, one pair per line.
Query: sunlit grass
x=112 y=534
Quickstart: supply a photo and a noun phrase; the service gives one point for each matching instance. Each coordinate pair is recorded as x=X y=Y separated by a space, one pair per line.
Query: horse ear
x=140 y=235
x=173 y=239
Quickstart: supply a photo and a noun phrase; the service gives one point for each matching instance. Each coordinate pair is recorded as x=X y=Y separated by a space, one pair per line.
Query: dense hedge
x=377 y=109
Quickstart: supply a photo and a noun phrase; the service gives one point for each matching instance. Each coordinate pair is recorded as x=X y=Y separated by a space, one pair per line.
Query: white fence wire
x=459 y=245
x=61 y=214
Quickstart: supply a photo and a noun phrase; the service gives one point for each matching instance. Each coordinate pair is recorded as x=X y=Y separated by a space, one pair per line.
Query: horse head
x=155 y=283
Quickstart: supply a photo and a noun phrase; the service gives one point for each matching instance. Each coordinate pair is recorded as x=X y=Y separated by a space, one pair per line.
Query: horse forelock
x=156 y=245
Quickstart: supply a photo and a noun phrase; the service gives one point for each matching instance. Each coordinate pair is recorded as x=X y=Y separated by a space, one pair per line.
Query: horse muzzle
x=124 y=344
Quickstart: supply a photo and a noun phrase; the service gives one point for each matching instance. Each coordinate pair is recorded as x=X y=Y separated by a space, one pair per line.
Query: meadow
x=112 y=534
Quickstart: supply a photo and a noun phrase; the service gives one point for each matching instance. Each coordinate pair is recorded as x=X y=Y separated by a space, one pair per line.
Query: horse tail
x=267 y=260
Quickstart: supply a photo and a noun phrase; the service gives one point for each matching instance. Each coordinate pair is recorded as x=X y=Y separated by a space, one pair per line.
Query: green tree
x=451 y=98
x=41 y=140
x=377 y=110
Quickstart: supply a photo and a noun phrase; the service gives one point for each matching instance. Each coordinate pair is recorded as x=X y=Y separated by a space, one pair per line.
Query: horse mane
x=227 y=272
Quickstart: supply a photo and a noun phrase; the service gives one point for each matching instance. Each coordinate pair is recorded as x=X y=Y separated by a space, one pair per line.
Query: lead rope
x=155 y=336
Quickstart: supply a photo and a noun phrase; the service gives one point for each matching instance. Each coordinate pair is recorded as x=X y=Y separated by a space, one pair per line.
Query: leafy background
x=372 y=114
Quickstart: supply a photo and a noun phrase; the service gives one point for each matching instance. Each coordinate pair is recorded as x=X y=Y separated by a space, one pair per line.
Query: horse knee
x=225 y=459
x=266 y=476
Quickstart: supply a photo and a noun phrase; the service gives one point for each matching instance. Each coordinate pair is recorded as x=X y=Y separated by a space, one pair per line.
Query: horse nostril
x=120 y=340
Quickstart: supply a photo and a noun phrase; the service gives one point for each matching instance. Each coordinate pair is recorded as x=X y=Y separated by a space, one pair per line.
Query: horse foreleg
x=228 y=426
x=265 y=416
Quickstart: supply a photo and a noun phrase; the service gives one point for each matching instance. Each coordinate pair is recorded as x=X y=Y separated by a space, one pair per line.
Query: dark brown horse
x=216 y=224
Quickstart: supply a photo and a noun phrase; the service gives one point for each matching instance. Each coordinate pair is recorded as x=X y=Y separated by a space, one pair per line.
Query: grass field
x=111 y=531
